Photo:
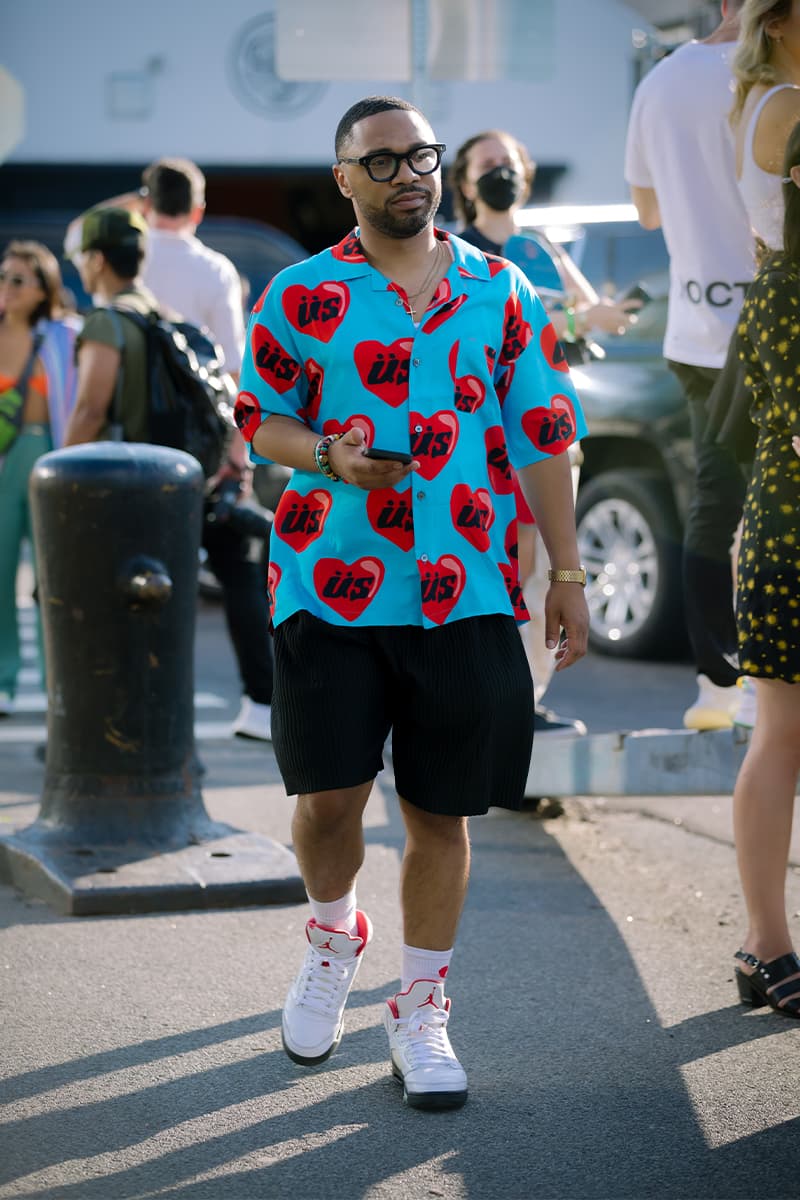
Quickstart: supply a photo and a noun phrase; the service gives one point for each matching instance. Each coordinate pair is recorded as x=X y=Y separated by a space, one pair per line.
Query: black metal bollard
x=122 y=824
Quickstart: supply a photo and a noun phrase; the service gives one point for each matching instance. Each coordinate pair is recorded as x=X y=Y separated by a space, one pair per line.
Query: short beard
x=404 y=225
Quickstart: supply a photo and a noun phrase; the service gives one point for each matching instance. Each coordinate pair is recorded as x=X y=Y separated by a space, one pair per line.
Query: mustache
x=411 y=191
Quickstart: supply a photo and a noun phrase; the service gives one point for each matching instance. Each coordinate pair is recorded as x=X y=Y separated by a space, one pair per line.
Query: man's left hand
x=565 y=609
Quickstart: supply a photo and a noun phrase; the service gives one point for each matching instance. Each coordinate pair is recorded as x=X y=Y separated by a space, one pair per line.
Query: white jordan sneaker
x=313 y=1013
x=254 y=721
x=422 y=1057
x=714 y=706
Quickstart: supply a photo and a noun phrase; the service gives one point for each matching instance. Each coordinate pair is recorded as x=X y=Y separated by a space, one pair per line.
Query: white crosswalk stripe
x=31 y=701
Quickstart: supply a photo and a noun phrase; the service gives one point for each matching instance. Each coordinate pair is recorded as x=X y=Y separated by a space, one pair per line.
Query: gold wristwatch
x=578 y=576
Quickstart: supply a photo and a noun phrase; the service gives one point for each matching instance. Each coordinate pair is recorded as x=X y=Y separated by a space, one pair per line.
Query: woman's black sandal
x=768 y=983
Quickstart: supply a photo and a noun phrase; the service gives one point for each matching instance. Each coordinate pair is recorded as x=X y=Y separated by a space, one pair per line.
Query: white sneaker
x=745 y=712
x=6 y=704
x=714 y=706
x=313 y=1012
x=422 y=1057
x=254 y=721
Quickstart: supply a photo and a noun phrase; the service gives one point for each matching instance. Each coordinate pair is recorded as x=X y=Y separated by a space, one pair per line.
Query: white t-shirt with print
x=680 y=143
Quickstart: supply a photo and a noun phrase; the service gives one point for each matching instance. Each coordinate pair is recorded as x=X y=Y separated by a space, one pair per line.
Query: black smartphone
x=389 y=455
x=637 y=292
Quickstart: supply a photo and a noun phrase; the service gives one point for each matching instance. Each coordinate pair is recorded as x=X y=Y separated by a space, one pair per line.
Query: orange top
x=38 y=383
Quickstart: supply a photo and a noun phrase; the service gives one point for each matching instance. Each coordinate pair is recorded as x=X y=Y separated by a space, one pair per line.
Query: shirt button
x=417 y=429
x=420 y=495
x=423 y=558
x=415 y=361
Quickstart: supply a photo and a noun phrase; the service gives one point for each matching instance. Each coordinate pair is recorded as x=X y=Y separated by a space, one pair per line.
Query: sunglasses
x=17 y=281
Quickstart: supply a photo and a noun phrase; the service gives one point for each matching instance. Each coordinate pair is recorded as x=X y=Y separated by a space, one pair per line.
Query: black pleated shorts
x=458 y=700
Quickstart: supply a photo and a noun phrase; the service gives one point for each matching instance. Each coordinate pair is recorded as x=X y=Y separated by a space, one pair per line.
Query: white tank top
x=762 y=191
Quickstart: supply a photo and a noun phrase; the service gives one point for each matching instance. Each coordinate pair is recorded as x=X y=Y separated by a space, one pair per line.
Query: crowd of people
x=411 y=406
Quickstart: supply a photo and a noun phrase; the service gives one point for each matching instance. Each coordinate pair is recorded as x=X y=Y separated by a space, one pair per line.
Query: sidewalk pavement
x=593 y=1007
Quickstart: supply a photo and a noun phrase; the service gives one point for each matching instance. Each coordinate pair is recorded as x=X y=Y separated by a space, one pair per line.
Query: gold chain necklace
x=437 y=262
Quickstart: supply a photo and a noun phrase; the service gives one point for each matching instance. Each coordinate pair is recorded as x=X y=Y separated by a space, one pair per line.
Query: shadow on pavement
x=576 y=1089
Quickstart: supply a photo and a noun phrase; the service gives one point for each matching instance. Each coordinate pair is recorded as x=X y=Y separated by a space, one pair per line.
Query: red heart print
x=551 y=429
x=501 y=477
x=442 y=584
x=444 y=313
x=274 y=364
x=390 y=515
x=316 y=377
x=503 y=385
x=383 y=369
x=273 y=579
x=259 y=304
x=517 y=333
x=553 y=349
x=473 y=514
x=433 y=440
x=511 y=541
x=317 y=311
x=470 y=391
x=349 y=250
x=247 y=415
x=357 y=421
x=511 y=580
x=496 y=265
x=348 y=588
x=300 y=520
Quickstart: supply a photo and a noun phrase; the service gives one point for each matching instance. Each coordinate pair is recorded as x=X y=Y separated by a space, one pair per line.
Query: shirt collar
x=353 y=263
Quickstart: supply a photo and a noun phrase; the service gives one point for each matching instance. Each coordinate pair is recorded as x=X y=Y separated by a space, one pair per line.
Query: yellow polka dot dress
x=768 y=592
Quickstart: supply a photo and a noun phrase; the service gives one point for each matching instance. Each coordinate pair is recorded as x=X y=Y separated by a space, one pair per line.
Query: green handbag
x=12 y=400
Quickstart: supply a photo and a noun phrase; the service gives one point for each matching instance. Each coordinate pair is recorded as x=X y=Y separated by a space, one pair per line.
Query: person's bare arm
x=778 y=118
x=646 y=202
x=98 y=365
x=591 y=310
x=547 y=486
x=291 y=443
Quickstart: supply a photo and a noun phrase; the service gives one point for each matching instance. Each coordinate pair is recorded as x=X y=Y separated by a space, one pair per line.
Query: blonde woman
x=768 y=970
x=766 y=107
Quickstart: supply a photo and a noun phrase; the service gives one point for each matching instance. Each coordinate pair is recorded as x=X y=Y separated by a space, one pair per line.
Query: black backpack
x=190 y=396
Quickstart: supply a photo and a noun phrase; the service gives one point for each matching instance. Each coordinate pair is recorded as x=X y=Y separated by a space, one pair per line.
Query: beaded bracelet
x=321 y=456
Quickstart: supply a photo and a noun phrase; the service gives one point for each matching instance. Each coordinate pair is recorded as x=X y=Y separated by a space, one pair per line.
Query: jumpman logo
x=327 y=946
x=430 y=1001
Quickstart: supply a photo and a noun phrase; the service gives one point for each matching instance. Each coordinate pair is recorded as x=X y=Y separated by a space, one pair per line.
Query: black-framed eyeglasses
x=383 y=166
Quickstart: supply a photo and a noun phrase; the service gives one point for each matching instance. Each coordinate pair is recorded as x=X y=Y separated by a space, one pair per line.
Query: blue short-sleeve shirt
x=478 y=386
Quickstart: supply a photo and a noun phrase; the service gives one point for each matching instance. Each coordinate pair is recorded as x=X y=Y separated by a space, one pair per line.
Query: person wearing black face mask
x=502 y=188
x=491 y=178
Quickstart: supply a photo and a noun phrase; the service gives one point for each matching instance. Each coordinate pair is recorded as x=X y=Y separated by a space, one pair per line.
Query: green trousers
x=15 y=526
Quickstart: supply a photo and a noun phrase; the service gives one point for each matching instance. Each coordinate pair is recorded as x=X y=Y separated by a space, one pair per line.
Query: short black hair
x=368 y=107
x=125 y=261
x=175 y=186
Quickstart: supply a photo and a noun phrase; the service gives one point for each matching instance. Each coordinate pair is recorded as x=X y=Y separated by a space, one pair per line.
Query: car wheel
x=630 y=543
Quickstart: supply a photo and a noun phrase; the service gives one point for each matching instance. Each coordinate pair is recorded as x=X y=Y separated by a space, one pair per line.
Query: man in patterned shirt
x=393 y=581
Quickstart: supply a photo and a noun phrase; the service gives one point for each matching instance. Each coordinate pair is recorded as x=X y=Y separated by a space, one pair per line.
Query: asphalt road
x=594 y=1009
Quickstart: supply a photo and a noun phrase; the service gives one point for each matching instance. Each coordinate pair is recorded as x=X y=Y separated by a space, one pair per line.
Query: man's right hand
x=346 y=458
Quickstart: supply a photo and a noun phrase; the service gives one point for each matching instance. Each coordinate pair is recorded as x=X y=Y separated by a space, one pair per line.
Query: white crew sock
x=336 y=914
x=423 y=964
